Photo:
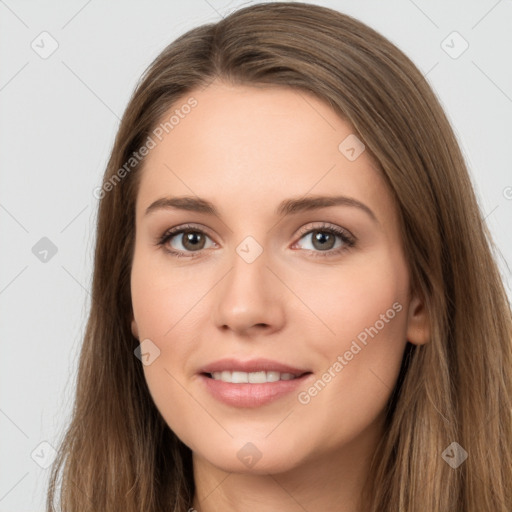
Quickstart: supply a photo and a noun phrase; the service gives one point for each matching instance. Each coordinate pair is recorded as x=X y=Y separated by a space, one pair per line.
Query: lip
x=252 y=365
x=251 y=395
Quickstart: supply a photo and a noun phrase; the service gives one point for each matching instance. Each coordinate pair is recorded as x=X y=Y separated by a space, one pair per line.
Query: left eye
x=325 y=239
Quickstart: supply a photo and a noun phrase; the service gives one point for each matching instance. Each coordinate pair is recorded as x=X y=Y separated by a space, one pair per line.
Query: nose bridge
x=247 y=276
x=249 y=266
x=247 y=295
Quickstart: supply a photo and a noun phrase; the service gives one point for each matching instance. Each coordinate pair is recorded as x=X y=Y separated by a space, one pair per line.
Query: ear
x=135 y=330
x=418 y=327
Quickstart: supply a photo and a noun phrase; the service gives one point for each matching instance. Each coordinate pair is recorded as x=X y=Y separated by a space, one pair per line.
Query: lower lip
x=251 y=395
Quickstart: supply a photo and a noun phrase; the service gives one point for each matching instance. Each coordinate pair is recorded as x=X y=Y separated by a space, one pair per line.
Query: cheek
x=366 y=310
x=161 y=295
x=163 y=305
x=358 y=300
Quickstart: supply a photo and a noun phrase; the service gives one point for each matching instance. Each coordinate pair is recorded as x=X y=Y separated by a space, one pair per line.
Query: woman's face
x=272 y=276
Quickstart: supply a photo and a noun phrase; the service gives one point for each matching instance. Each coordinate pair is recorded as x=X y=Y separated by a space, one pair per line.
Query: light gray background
x=58 y=119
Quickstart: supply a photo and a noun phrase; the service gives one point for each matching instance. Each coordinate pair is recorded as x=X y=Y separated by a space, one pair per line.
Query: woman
x=295 y=302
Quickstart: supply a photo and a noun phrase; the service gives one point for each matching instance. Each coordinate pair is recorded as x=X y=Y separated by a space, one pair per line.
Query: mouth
x=236 y=390
x=258 y=377
x=251 y=383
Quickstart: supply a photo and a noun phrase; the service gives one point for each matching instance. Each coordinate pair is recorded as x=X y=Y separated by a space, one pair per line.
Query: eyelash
x=348 y=240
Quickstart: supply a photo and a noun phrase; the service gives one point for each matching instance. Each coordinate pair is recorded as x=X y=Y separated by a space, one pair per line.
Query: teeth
x=252 y=377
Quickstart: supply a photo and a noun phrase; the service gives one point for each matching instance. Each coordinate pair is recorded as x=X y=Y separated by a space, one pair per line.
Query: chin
x=258 y=457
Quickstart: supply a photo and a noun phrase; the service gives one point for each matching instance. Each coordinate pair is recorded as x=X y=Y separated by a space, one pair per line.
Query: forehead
x=252 y=146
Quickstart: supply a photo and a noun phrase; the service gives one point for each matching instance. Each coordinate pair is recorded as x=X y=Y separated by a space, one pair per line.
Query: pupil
x=322 y=237
x=193 y=238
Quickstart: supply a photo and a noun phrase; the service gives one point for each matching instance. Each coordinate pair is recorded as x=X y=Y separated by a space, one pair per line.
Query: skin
x=245 y=149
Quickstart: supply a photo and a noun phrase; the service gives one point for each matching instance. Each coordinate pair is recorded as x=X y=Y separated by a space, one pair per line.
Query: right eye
x=183 y=240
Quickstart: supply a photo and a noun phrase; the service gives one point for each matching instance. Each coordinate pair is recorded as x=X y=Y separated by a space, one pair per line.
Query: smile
x=238 y=377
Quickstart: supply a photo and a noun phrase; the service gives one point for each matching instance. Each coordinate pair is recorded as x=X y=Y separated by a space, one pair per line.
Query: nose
x=250 y=298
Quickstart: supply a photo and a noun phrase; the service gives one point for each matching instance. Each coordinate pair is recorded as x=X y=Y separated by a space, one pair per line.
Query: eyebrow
x=287 y=207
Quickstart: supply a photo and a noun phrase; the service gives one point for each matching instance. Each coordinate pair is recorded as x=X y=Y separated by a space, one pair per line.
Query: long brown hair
x=118 y=454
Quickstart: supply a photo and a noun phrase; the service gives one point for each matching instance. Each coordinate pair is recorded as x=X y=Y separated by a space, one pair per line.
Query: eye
x=185 y=239
x=327 y=240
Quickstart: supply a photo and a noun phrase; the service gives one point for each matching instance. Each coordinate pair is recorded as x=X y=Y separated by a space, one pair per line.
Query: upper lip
x=251 y=365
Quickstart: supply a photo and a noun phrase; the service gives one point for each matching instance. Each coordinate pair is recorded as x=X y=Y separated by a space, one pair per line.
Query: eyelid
x=302 y=231
x=185 y=227
x=327 y=226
